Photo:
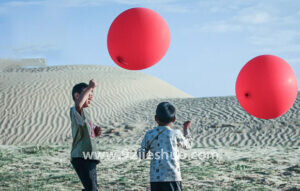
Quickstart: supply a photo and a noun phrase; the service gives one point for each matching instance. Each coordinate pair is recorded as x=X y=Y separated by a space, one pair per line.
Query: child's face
x=89 y=100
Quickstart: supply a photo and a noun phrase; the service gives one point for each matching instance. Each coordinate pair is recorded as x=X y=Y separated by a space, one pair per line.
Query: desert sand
x=35 y=133
x=37 y=98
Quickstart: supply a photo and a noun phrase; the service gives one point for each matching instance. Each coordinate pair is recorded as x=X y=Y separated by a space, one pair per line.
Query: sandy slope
x=36 y=101
x=218 y=121
x=252 y=154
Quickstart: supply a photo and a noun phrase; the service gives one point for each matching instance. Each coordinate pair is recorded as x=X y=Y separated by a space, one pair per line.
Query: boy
x=163 y=143
x=84 y=134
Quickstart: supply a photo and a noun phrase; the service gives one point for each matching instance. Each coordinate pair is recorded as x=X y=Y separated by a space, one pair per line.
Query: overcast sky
x=211 y=40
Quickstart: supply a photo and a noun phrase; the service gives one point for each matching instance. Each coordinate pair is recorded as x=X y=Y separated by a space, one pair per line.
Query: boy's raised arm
x=185 y=140
x=84 y=96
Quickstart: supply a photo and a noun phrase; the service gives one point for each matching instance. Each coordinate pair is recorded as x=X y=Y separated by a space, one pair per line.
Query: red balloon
x=138 y=38
x=266 y=87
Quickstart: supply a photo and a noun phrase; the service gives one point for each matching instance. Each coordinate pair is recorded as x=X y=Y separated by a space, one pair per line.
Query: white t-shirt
x=165 y=153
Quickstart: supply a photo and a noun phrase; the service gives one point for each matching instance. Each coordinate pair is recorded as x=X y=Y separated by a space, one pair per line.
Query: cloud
x=2 y=10
x=219 y=27
x=255 y=18
x=22 y=3
x=233 y=16
x=34 y=49
x=171 y=6
x=280 y=42
x=175 y=9
x=219 y=6
x=58 y=3
x=293 y=60
x=266 y=25
x=76 y=3
x=130 y=2
x=84 y=3
x=277 y=38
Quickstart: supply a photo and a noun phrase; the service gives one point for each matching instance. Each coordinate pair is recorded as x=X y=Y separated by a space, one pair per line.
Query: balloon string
x=120 y=60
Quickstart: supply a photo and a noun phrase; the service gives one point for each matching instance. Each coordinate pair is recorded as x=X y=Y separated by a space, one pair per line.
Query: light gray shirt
x=165 y=152
x=84 y=139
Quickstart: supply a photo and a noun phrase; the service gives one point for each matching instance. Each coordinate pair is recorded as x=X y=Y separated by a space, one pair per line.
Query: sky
x=211 y=40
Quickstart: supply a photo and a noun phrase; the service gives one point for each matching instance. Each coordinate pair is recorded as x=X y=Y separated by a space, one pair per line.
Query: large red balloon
x=266 y=87
x=138 y=38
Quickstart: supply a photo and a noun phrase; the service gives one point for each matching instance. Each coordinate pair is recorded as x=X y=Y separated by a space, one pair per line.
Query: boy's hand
x=98 y=131
x=92 y=84
x=187 y=125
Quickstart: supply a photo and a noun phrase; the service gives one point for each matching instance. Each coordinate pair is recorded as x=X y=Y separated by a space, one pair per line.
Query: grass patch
x=48 y=167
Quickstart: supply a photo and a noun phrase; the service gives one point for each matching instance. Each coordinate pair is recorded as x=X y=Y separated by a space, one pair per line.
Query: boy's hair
x=78 y=88
x=165 y=112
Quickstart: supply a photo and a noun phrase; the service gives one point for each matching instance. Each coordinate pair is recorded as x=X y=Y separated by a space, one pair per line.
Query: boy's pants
x=86 y=171
x=166 y=186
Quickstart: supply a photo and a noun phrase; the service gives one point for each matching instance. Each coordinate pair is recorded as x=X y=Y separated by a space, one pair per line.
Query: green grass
x=48 y=168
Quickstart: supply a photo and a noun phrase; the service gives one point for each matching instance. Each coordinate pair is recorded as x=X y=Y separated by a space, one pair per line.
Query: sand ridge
x=35 y=133
x=36 y=104
x=217 y=122
x=36 y=100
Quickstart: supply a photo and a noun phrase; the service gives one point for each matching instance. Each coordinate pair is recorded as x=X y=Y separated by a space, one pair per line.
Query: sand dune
x=218 y=122
x=36 y=101
x=252 y=154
